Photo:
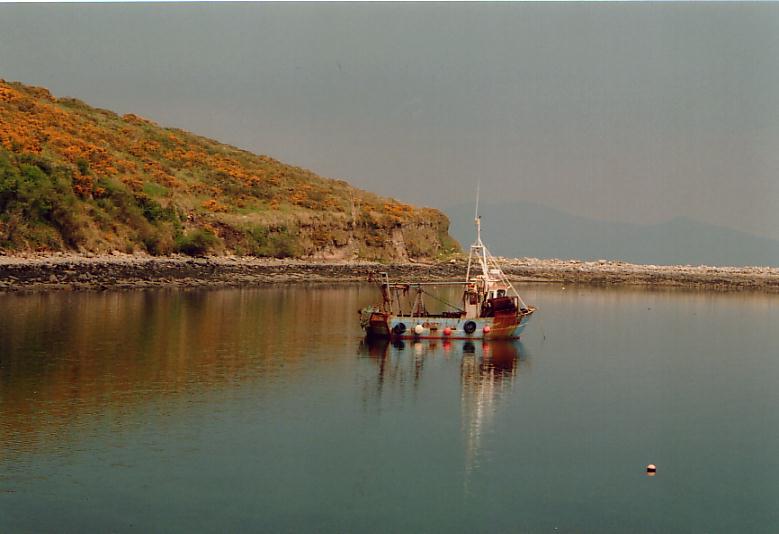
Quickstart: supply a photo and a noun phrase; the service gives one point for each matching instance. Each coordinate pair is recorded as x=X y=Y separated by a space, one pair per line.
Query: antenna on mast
x=476 y=215
x=476 y=218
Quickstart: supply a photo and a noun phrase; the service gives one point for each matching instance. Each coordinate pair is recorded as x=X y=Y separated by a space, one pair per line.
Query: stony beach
x=123 y=272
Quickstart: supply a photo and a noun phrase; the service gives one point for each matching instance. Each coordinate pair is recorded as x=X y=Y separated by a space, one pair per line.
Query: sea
x=265 y=410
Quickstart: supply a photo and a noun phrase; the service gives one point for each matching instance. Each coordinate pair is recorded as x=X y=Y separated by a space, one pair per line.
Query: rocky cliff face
x=423 y=236
x=73 y=177
x=341 y=237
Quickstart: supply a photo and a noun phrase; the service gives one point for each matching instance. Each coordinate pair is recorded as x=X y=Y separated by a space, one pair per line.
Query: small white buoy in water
x=651 y=469
x=418 y=329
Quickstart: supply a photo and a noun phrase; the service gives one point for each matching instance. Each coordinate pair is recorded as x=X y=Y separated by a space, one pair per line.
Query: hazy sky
x=634 y=112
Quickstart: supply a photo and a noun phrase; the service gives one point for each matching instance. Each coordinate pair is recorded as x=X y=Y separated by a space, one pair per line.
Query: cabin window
x=473 y=298
x=501 y=292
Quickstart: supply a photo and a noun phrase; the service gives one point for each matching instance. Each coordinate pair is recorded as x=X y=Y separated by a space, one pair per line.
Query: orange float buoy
x=447 y=331
x=487 y=329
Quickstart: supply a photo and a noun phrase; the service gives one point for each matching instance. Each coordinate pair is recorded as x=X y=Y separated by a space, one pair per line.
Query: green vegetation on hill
x=73 y=177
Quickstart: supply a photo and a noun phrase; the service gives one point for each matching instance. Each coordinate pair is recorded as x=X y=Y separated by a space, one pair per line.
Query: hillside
x=531 y=230
x=73 y=177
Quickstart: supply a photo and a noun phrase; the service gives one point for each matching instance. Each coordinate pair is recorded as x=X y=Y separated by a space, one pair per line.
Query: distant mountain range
x=531 y=230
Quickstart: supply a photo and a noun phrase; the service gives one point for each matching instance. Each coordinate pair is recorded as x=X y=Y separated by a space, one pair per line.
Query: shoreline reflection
x=73 y=365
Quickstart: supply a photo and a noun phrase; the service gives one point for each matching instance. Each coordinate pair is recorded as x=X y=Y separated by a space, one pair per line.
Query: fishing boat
x=490 y=308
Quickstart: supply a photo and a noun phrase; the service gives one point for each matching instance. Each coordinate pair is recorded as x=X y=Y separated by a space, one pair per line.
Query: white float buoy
x=651 y=469
x=419 y=329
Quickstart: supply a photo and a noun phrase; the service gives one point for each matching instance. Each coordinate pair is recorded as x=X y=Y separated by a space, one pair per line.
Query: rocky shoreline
x=121 y=272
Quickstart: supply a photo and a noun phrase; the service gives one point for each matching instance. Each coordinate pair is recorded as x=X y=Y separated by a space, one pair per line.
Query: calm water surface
x=231 y=410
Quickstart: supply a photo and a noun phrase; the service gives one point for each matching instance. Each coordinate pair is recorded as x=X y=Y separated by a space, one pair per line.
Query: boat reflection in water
x=485 y=377
x=487 y=374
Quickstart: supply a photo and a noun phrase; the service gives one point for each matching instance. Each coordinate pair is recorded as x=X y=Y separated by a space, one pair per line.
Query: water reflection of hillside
x=68 y=357
x=487 y=374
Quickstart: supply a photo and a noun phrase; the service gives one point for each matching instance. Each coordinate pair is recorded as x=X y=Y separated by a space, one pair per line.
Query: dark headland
x=77 y=178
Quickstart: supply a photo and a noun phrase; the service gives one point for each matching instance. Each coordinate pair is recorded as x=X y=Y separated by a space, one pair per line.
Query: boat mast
x=478 y=247
x=487 y=260
x=478 y=231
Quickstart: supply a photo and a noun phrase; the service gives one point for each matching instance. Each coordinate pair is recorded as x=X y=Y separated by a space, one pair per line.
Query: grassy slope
x=73 y=177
